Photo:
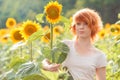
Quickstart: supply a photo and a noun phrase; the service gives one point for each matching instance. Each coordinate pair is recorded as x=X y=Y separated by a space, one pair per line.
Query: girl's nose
x=80 y=27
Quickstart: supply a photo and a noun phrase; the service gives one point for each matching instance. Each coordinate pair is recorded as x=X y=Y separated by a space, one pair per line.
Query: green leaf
x=27 y=69
x=66 y=22
x=35 y=36
x=61 y=57
x=50 y=75
x=17 y=61
x=64 y=19
x=10 y=75
x=39 y=17
x=34 y=77
x=63 y=47
x=46 y=52
x=59 y=52
x=64 y=76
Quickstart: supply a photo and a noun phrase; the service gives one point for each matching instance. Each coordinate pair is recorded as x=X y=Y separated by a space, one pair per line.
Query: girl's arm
x=101 y=73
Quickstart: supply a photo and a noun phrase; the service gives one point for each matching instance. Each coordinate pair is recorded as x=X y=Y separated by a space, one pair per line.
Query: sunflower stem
x=31 y=54
x=51 y=40
x=51 y=36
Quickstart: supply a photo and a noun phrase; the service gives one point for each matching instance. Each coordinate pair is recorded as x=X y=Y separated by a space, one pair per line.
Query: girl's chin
x=83 y=36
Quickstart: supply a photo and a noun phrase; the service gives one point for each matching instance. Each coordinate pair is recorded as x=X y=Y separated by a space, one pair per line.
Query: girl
x=84 y=60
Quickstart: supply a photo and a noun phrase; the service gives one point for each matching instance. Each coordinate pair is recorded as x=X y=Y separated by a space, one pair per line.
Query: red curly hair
x=90 y=17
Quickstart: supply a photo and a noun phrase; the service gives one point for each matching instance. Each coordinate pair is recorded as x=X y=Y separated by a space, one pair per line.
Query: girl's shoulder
x=101 y=59
x=99 y=53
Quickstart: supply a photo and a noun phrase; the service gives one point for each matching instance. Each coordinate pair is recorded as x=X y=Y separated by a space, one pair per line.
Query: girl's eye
x=81 y=24
x=78 y=24
x=85 y=23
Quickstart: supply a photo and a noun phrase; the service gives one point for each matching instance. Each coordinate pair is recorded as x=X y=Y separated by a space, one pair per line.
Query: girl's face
x=82 y=30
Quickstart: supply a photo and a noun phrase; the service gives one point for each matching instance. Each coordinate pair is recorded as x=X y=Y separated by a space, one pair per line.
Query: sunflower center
x=117 y=29
x=112 y=30
x=57 y=30
x=30 y=29
x=47 y=36
x=17 y=35
x=5 y=38
x=102 y=34
x=11 y=23
x=53 y=12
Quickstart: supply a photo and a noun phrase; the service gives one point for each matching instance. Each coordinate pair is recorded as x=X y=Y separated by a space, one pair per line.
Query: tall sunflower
x=28 y=28
x=10 y=22
x=15 y=35
x=53 y=11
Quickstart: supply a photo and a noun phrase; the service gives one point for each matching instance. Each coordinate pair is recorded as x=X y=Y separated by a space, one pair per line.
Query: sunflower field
x=24 y=45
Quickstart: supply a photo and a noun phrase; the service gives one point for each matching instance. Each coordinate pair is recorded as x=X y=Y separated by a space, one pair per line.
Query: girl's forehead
x=80 y=22
x=80 y=18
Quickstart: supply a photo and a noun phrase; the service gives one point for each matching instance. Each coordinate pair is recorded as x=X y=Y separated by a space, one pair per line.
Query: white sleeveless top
x=83 y=67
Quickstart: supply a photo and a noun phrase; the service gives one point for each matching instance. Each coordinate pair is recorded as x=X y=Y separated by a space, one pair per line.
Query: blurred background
x=22 y=10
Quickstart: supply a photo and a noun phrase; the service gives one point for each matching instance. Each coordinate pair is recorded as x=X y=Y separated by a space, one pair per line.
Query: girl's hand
x=47 y=65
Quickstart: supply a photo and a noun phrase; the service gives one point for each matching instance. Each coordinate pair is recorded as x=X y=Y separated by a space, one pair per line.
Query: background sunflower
x=15 y=35
x=4 y=39
x=58 y=30
x=46 y=38
x=4 y=35
x=28 y=28
x=102 y=34
x=3 y=32
x=10 y=23
x=115 y=29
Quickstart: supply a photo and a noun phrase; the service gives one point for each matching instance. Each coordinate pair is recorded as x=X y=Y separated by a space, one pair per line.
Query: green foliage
x=111 y=48
x=39 y=17
x=34 y=77
x=10 y=75
x=27 y=69
x=50 y=75
x=64 y=76
x=20 y=10
x=35 y=36
x=16 y=61
x=59 y=53
x=66 y=22
x=61 y=75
